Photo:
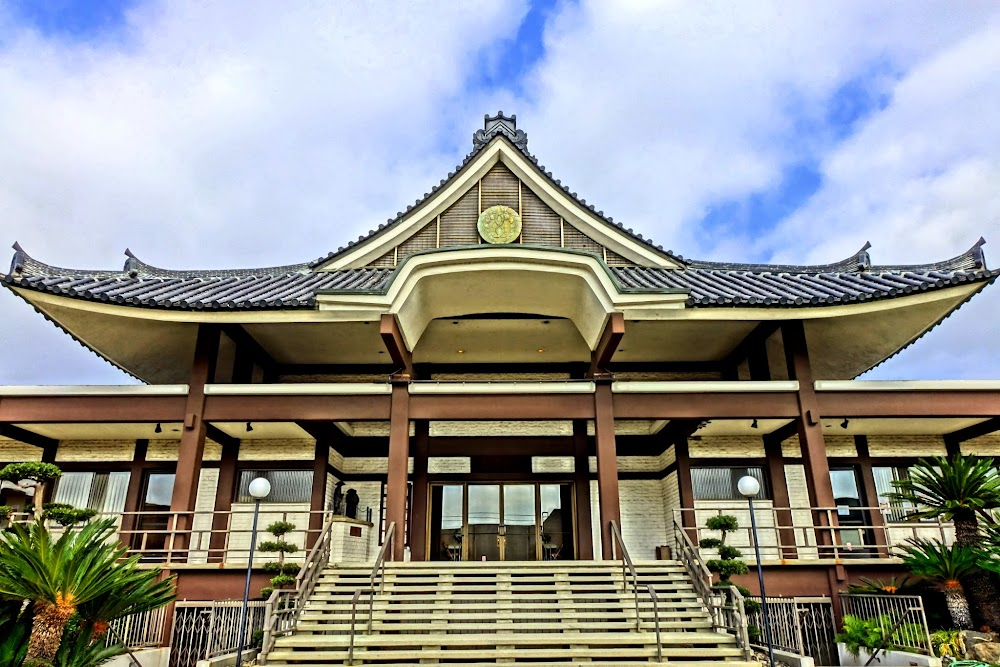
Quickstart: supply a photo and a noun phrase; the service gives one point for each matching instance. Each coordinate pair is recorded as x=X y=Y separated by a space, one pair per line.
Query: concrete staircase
x=473 y=614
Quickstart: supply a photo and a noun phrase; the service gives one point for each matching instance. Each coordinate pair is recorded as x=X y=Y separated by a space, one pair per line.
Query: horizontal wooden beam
x=296 y=408
x=502 y=407
x=27 y=437
x=736 y=405
x=218 y=435
x=943 y=403
x=91 y=409
x=975 y=431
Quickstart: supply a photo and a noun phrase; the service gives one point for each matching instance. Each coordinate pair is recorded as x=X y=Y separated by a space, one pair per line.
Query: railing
x=799 y=625
x=900 y=616
x=816 y=533
x=628 y=569
x=724 y=604
x=284 y=608
x=378 y=569
x=203 y=630
x=210 y=537
x=142 y=630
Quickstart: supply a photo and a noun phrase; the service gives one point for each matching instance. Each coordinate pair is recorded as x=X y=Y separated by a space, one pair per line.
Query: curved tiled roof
x=708 y=284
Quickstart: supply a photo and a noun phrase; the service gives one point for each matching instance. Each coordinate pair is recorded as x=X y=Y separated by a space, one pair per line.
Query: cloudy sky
x=210 y=134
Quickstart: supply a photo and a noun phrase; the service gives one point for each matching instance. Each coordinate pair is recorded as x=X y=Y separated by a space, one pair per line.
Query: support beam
x=810 y=429
x=607 y=465
x=133 y=495
x=581 y=482
x=418 y=511
x=750 y=345
x=871 y=494
x=399 y=458
x=246 y=344
x=612 y=336
x=216 y=434
x=192 y=447
x=317 y=499
x=27 y=437
x=953 y=441
x=392 y=338
x=685 y=487
x=779 y=491
x=225 y=493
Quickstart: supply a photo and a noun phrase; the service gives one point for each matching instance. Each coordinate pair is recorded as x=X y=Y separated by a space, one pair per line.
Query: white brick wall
x=595 y=518
x=984 y=445
x=907 y=445
x=836 y=445
x=13 y=451
x=563 y=464
x=242 y=521
x=643 y=522
x=95 y=450
x=162 y=450
x=277 y=450
x=671 y=498
x=727 y=446
x=208 y=486
x=448 y=464
x=346 y=548
x=358 y=465
x=798 y=496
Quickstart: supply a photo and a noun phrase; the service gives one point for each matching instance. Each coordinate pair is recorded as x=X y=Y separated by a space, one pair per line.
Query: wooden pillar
x=779 y=493
x=581 y=483
x=418 y=510
x=399 y=459
x=607 y=464
x=192 y=447
x=225 y=493
x=317 y=499
x=953 y=446
x=810 y=430
x=685 y=488
x=875 y=517
x=133 y=495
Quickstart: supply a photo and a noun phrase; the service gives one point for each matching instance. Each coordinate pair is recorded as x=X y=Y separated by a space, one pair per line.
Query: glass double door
x=509 y=521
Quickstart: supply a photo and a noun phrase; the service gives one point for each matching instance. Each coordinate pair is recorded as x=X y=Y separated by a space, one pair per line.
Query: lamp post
x=750 y=487
x=259 y=488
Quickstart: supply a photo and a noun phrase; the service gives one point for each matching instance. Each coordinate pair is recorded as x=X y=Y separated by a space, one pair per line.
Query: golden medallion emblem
x=499 y=224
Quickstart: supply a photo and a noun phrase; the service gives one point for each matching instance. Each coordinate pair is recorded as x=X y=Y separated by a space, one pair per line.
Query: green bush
x=66 y=515
x=709 y=542
x=257 y=639
x=277 y=546
x=6 y=511
x=279 y=528
x=729 y=553
x=723 y=522
x=750 y=606
x=282 y=580
x=33 y=470
x=282 y=568
x=753 y=634
x=266 y=592
x=727 y=568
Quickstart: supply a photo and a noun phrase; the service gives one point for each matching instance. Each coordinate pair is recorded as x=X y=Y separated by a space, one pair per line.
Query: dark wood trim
x=875 y=518
x=27 y=437
x=133 y=495
x=317 y=498
x=399 y=459
x=260 y=408
x=494 y=407
x=810 y=429
x=775 y=463
x=953 y=441
x=685 y=487
x=392 y=338
x=192 y=446
x=225 y=493
x=581 y=484
x=91 y=409
x=247 y=344
x=418 y=510
x=607 y=465
x=932 y=403
x=720 y=405
x=748 y=347
x=611 y=337
x=216 y=434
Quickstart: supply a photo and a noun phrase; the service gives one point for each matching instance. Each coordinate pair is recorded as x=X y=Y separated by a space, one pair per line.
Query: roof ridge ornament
x=17 y=262
x=131 y=264
x=500 y=125
x=864 y=259
x=977 y=253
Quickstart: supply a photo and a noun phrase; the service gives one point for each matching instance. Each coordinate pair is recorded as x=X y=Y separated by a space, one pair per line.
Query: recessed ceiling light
x=460 y=351
x=545 y=321
x=541 y=349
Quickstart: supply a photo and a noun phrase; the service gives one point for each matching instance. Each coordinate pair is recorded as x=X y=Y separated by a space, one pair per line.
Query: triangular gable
x=500 y=174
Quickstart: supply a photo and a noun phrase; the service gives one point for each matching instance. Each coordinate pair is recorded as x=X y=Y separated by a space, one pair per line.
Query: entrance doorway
x=501 y=521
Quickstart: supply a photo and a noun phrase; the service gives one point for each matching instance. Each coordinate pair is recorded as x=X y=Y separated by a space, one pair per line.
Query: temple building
x=501 y=372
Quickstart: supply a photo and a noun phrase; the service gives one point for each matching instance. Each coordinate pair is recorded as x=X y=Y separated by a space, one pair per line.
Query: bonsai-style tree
x=82 y=574
x=284 y=576
x=729 y=562
x=39 y=473
x=959 y=489
x=66 y=515
x=945 y=566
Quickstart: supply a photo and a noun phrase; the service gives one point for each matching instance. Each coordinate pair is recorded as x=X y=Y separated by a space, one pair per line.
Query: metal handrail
x=377 y=569
x=619 y=543
x=729 y=614
x=305 y=584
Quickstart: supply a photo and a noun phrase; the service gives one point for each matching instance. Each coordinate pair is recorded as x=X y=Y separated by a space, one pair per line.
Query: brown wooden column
x=317 y=499
x=399 y=459
x=810 y=429
x=779 y=492
x=871 y=494
x=418 y=511
x=581 y=484
x=685 y=488
x=133 y=495
x=225 y=493
x=192 y=447
x=607 y=464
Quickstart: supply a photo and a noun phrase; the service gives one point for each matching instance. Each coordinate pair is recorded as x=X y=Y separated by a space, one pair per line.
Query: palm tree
x=946 y=566
x=83 y=569
x=959 y=490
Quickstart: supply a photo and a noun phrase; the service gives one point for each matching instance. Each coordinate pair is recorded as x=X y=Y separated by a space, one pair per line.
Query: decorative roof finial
x=131 y=264
x=17 y=263
x=494 y=126
x=977 y=253
x=864 y=259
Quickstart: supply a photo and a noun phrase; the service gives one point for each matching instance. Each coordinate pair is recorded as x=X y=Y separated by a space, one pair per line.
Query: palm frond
x=940 y=563
x=941 y=487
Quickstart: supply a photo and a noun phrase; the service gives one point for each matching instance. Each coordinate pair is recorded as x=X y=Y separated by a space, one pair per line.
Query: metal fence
x=800 y=625
x=209 y=629
x=901 y=615
x=144 y=630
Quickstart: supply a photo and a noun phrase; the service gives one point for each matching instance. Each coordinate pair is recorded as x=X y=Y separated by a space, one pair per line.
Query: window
x=721 y=483
x=884 y=477
x=101 y=491
x=287 y=486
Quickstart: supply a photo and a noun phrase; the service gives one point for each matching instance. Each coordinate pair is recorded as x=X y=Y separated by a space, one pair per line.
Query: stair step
x=712 y=656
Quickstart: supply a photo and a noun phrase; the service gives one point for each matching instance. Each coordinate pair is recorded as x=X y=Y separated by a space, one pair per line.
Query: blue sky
x=252 y=133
